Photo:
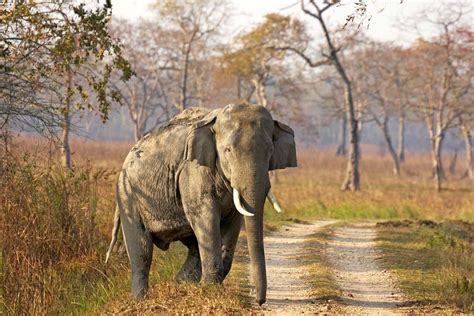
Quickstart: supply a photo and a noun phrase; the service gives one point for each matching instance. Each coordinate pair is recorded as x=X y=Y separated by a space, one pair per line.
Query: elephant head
x=243 y=142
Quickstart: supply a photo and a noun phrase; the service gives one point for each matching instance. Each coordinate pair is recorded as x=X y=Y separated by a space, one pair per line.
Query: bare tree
x=332 y=103
x=439 y=86
x=147 y=94
x=316 y=11
x=194 y=25
x=382 y=85
x=468 y=137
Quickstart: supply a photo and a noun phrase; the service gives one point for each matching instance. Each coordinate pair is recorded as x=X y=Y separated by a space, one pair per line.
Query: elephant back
x=186 y=118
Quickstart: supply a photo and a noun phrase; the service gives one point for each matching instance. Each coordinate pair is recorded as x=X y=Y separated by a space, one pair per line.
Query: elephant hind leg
x=140 y=252
x=191 y=269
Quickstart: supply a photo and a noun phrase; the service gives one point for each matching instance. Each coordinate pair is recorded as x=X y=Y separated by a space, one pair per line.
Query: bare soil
x=366 y=288
x=288 y=292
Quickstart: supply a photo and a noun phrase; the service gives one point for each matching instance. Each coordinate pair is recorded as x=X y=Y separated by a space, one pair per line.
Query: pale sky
x=383 y=24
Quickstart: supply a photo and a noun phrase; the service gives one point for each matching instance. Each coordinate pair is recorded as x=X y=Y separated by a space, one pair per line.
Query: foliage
x=40 y=43
x=258 y=47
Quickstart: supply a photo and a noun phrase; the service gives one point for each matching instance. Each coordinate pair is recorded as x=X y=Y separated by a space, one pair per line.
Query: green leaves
x=41 y=42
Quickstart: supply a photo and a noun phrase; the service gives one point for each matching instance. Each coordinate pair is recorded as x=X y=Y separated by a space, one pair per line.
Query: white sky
x=383 y=24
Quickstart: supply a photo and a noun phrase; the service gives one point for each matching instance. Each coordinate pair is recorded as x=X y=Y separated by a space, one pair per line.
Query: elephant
x=193 y=180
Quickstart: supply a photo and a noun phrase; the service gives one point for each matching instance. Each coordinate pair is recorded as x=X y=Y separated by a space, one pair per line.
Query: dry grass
x=310 y=191
x=51 y=249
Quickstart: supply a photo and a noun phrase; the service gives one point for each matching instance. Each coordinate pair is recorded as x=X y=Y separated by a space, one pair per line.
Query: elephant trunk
x=253 y=194
x=254 y=228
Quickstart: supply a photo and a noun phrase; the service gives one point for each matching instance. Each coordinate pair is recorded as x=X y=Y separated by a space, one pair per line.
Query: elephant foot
x=139 y=287
x=193 y=276
x=213 y=278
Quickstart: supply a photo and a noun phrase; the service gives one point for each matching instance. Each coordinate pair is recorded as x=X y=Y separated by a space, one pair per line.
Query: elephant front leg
x=200 y=207
x=230 y=234
x=191 y=269
x=208 y=237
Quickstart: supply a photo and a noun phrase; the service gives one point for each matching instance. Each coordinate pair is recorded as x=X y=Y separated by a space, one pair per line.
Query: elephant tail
x=115 y=231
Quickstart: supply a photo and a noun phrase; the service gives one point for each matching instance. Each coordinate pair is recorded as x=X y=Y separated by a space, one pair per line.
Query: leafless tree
x=194 y=26
x=147 y=94
x=443 y=79
x=332 y=56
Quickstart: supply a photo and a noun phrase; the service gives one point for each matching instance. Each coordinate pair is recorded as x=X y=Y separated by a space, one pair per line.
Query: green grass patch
x=433 y=263
x=342 y=211
x=320 y=273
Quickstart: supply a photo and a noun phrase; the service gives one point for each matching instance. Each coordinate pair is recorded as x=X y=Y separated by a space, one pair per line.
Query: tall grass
x=50 y=246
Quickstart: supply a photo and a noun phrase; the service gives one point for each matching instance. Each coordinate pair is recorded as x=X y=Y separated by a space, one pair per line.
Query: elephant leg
x=230 y=234
x=140 y=252
x=208 y=236
x=191 y=269
x=200 y=208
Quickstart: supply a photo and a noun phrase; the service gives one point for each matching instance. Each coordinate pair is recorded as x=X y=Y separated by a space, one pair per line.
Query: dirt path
x=366 y=288
x=287 y=291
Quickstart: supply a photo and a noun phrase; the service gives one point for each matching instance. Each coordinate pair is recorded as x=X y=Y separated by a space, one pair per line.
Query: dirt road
x=366 y=288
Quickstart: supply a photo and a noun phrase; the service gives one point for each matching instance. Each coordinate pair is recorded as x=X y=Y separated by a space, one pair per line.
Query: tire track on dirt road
x=366 y=288
x=287 y=292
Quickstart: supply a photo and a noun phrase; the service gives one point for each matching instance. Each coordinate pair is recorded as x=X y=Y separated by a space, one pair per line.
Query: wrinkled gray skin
x=177 y=184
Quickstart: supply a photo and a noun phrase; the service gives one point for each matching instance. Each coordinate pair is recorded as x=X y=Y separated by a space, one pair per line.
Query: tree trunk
x=352 y=180
x=138 y=131
x=436 y=156
x=183 y=99
x=239 y=88
x=453 y=163
x=401 y=138
x=260 y=92
x=342 y=148
x=468 y=143
x=391 y=149
x=66 y=124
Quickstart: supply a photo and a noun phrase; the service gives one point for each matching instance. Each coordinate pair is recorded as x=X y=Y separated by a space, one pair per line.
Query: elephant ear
x=284 y=147
x=200 y=143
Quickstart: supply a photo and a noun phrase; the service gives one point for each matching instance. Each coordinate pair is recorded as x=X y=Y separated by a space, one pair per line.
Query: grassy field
x=57 y=227
x=434 y=262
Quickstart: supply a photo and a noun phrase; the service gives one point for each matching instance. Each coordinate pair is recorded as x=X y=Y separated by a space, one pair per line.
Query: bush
x=48 y=233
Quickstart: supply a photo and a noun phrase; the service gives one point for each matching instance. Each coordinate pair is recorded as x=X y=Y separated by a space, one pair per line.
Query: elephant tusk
x=239 y=206
x=274 y=202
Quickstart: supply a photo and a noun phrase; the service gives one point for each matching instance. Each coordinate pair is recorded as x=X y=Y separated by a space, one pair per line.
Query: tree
x=147 y=94
x=442 y=80
x=382 y=80
x=332 y=56
x=332 y=103
x=194 y=26
x=57 y=57
x=256 y=61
